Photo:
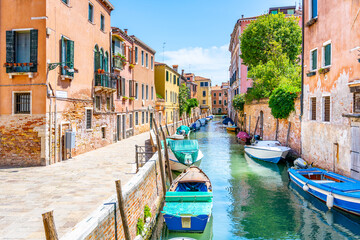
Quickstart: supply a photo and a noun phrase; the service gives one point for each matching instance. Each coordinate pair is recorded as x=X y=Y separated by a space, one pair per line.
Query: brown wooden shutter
x=327 y=109
x=357 y=102
x=313 y=108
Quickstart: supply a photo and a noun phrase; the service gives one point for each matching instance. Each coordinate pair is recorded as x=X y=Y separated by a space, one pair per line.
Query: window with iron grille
x=108 y=103
x=326 y=109
x=88 y=118
x=136 y=118
x=147 y=117
x=313 y=108
x=142 y=118
x=357 y=102
x=98 y=103
x=22 y=103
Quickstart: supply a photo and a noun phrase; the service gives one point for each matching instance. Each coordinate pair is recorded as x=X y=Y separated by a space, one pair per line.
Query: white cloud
x=206 y=62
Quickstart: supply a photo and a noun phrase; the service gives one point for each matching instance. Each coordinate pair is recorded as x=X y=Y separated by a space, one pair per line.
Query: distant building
x=331 y=93
x=191 y=84
x=219 y=99
x=167 y=82
x=204 y=93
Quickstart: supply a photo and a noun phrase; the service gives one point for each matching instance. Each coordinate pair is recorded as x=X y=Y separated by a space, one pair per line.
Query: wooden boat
x=268 y=151
x=183 y=130
x=334 y=189
x=188 y=203
x=231 y=128
x=176 y=137
x=195 y=126
x=183 y=154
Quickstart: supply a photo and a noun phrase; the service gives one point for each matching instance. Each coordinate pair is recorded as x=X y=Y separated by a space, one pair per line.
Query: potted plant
x=131 y=66
x=324 y=70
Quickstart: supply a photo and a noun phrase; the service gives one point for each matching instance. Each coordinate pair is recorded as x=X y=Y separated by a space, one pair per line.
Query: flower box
x=310 y=74
x=324 y=70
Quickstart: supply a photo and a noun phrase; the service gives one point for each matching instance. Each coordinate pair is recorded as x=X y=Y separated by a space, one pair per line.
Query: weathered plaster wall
x=145 y=188
x=252 y=112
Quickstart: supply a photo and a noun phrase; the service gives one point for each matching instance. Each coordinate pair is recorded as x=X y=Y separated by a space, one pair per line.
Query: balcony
x=104 y=82
x=118 y=63
x=21 y=69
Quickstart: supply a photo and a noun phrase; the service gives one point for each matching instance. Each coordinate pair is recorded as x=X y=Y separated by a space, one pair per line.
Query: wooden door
x=355 y=152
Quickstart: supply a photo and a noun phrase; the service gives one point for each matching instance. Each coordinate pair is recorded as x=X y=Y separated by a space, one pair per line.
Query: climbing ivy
x=282 y=100
x=239 y=102
x=140 y=226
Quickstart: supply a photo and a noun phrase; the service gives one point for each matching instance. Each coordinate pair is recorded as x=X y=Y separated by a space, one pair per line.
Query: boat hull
x=197 y=223
x=341 y=201
x=177 y=166
x=265 y=155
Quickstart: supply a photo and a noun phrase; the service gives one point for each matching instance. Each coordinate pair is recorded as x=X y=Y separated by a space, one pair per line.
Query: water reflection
x=253 y=199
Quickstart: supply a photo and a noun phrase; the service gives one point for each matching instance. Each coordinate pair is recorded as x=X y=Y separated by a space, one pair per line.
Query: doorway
x=123 y=126
x=118 y=127
x=355 y=152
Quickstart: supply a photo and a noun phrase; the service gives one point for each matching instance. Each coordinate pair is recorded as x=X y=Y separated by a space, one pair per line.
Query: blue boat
x=227 y=121
x=188 y=203
x=203 y=121
x=195 y=126
x=335 y=190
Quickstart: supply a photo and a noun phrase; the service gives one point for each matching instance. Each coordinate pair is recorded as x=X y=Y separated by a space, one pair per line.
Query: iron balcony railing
x=104 y=80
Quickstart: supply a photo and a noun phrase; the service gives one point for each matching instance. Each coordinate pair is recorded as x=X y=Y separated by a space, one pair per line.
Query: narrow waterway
x=254 y=200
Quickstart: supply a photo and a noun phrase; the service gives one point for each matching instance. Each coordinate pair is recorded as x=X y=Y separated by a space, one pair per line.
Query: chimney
x=242 y=16
x=125 y=30
x=182 y=72
x=175 y=67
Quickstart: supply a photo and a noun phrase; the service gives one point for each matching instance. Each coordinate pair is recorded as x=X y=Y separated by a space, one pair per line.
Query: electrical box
x=70 y=139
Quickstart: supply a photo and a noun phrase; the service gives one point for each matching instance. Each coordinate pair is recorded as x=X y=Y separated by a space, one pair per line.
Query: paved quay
x=73 y=189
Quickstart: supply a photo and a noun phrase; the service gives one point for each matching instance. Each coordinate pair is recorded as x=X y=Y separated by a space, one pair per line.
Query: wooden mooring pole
x=288 y=135
x=49 y=226
x=257 y=122
x=167 y=158
x=277 y=129
x=122 y=210
x=161 y=163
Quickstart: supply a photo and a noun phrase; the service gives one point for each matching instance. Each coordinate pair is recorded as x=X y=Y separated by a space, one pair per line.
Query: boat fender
x=306 y=187
x=330 y=201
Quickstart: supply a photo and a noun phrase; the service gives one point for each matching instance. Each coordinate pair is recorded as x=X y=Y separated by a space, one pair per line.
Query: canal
x=254 y=200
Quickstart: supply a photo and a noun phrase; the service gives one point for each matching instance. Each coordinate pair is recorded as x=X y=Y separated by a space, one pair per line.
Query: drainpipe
x=302 y=63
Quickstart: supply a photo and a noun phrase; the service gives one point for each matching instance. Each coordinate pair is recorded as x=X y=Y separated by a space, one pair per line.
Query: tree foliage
x=183 y=97
x=191 y=103
x=258 y=39
x=239 y=102
x=282 y=100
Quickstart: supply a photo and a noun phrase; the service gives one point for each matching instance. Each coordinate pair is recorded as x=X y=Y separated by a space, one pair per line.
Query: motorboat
x=189 y=202
x=176 y=137
x=268 y=151
x=195 y=126
x=183 y=130
x=334 y=189
x=244 y=138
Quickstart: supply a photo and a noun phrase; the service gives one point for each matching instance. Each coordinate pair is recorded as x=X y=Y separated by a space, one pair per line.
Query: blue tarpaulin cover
x=227 y=120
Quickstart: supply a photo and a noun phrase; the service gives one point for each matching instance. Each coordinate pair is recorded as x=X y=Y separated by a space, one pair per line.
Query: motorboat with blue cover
x=195 y=126
x=203 y=121
x=268 y=151
x=189 y=202
x=334 y=189
x=183 y=130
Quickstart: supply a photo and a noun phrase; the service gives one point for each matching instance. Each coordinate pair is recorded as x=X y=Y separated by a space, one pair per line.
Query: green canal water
x=254 y=200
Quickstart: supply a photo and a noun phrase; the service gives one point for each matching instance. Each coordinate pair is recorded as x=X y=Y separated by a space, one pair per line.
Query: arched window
x=96 y=58
x=101 y=58
x=106 y=62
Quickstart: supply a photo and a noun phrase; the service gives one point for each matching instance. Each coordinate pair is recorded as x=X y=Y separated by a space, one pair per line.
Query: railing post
x=49 y=226
x=137 y=157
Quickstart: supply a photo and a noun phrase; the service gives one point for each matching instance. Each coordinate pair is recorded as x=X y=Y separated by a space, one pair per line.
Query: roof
x=198 y=78
x=118 y=31
x=108 y=4
x=216 y=88
x=164 y=64
x=142 y=44
x=282 y=8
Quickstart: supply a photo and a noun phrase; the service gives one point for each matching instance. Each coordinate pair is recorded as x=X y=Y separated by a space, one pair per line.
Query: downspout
x=302 y=71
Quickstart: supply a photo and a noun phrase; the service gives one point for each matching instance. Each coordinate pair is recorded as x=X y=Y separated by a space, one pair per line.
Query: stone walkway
x=73 y=189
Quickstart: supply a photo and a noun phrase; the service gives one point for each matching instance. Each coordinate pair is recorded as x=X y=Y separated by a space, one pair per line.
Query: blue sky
x=196 y=32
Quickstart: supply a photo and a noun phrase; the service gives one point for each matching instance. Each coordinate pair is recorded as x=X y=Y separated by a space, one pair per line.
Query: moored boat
x=183 y=130
x=231 y=128
x=176 y=137
x=188 y=203
x=269 y=151
x=334 y=189
x=203 y=121
x=195 y=126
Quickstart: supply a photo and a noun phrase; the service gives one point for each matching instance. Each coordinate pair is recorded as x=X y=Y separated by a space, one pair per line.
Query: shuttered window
x=326 y=109
x=22 y=103
x=314 y=8
x=167 y=76
x=102 y=22
x=313 y=60
x=313 y=109
x=88 y=118
x=174 y=79
x=357 y=102
x=91 y=12
x=123 y=85
x=67 y=57
x=97 y=103
x=327 y=55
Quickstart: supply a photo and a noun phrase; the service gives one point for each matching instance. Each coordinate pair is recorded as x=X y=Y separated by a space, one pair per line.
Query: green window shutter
x=34 y=49
x=97 y=61
x=10 y=49
x=328 y=55
x=314 y=60
x=70 y=57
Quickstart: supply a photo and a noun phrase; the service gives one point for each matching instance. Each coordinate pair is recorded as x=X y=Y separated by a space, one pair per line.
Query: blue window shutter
x=10 y=49
x=314 y=8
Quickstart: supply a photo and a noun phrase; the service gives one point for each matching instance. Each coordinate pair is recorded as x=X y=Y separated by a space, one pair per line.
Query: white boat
x=268 y=151
x=177 y=137
x=177 y=166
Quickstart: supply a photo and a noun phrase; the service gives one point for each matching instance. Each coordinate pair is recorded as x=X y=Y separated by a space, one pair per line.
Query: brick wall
x=252 y=112
x=145 y=188
x=20 y=140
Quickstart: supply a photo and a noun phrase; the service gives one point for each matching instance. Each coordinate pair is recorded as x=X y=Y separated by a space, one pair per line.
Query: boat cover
x=187 y=208
x=182 y=128
x=191 y=187
x=227 y=120
x=188 y=197
x=183 y=148
x=243 y=135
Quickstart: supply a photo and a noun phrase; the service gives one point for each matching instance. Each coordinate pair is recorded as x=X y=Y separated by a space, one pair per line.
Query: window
x=147 y=60
x=326 y=109
x=142 y=91
x=220 y=102
x=22 y=103
x=313 y=8
x=147 y=92
x=136 y=91
x=313 y=60
x=202 y=84
x=65 y=1
x=313 y=108
x=188 y=78
x=214 y=94
x=357 y=102
x=131 y=120
x=136 y=54
x=152 y=62
x=102 y=22
x=152 y=93
x=123 y=87
x=97 y=103
x=219 y=94
x=214 y=102
x=174 y=79
x=147 y=117
x=166 y=95
x=131 y=84
x=67 y=56
x=178 y=82
x=91 y=13
x=327 y=55
x=142 y=58
x=88 y=118
x=274 y=12
x=225 y=102
x=142 y=117
x=108 y=105
x=136 y=118
x=204 y=93
x=167 y=76
x=204 y=101
x=291 y=11
x=103 y=132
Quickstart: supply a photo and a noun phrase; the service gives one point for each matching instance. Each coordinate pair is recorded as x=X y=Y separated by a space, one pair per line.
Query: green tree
x=258 y=39
x=191 y=103
x=239 y=102
x=183 y=97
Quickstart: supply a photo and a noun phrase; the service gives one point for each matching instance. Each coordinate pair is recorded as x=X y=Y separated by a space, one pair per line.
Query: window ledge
x=30 y=74
x=92 y=23
x=311 y=73
x=351 y=115
x=64 y=77
x=89 y=130
x=311 y=21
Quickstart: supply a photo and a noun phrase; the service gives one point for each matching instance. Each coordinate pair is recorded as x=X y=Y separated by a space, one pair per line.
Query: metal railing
x=104 y=80
x=142 y=155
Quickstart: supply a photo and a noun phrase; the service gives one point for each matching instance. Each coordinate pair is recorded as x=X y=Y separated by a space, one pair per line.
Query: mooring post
x=167 y=158
x=288 y=135
x=162 y=172
x=257 y=122
x=277 y=129
x=122 y=210
x=49 y=226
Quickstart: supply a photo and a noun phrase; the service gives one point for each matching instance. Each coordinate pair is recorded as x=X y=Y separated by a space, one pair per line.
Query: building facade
x=331 y=90
x=51 y=69
x=204 y=93
x=219 y=96
x=167 y=82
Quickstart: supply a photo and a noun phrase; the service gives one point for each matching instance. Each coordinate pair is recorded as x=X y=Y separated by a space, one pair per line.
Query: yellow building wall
x=207 y=97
